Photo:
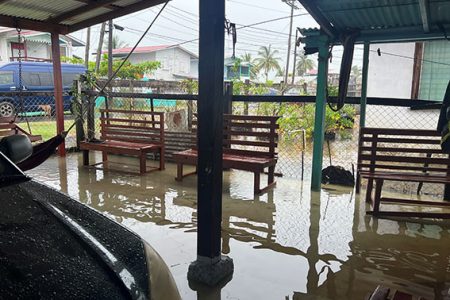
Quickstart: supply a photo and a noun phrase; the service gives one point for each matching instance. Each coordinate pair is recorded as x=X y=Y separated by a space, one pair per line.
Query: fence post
x=227 y=104
x=90 y=117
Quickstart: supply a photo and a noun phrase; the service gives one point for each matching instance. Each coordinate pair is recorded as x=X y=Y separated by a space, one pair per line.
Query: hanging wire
x=134 y=48
x=19 y=59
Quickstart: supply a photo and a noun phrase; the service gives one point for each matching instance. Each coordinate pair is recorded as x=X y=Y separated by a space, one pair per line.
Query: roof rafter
x=109 y=6
x=424 y=6
x=23 y=23
x=143 y=4
x=80 y=10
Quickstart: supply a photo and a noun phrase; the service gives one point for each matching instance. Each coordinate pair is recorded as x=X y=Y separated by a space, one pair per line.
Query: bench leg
x=162 y=165
x=369 y=190
x=256 y=181
x=85 y=157
x=358 y=183
x=142 y=163
x=104 y=157
x=179 y=172
x=377 y=198
x=271 y=177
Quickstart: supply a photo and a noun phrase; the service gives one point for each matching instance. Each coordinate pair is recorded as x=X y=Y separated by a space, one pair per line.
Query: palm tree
x=117 y=43
x=304 y=64
x=247 y=57
x=267 y=60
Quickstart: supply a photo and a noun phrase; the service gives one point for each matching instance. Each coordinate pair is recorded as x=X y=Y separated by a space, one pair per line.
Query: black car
x=54 y=247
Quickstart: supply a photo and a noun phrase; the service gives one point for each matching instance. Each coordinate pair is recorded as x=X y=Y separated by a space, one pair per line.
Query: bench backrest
x=401 y=150
x=132 y=126
x=7 y=126
x=250 y=135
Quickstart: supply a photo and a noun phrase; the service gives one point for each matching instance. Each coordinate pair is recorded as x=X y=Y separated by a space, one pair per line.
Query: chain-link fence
x=296 y=127
x=34 y=112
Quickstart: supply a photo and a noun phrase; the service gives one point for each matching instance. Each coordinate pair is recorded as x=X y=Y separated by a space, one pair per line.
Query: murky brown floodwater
x=287 y=244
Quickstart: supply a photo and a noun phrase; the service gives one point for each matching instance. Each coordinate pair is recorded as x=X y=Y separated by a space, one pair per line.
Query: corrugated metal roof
x=381 y=16
x=65 y=16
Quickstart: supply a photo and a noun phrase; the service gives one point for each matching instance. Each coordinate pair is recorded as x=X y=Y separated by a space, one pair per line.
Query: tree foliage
x=267 y=60
x=304 y=64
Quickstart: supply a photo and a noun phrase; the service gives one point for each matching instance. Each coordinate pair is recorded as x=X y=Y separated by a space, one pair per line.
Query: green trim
x=365 y=73
x=319 y=121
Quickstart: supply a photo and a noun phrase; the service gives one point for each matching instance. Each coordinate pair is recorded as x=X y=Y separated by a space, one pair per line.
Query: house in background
x=409 y=70
x=34 y=45
x=177 y=63
x=236 y=69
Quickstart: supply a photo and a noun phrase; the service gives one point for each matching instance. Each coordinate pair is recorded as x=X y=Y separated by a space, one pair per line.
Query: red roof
x=144 y=49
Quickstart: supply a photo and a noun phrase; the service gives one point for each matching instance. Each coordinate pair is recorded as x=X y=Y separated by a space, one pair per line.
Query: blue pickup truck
x=36 y=77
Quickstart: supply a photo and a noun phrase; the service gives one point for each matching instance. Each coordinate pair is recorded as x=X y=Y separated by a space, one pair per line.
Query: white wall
x=391 y=76
x=3 y=50
x=38 y=50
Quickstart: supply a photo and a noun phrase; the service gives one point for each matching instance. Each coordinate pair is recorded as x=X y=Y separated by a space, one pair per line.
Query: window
x=46 y=79
x=68 y=78
x=232 y=74
x=245 y=71
x=6 y=77
x=30 y=79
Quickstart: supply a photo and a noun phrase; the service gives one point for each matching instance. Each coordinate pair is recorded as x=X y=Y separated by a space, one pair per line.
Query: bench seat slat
x=120 y=120
x=364 y=166
x=403 y=150
x=249 y=143
x=402 y=140
x=406 y=159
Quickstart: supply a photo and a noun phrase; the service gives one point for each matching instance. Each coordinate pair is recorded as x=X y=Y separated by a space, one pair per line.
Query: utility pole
x=87 y=49
x=297 y=43
x=110 y=46
x=291 y=3
x=99 y=48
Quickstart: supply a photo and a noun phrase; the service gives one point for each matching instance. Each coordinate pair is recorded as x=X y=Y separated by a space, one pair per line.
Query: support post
x=58 y=87
x=210 y=267
x=319 y=121
x=365 y=74
x=227 y=104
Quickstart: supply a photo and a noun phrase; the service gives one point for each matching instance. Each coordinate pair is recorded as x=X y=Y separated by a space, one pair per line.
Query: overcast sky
x=179 y=23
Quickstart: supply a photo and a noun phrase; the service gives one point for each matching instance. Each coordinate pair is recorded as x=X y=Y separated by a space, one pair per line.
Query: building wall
x=173 y=61
x=38 y=50
x=391 y=76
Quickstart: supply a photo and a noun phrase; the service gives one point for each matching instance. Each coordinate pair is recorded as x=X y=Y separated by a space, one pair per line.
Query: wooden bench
x=9 y=127
x=241 y=132
x=124 y=132
x=401 y=155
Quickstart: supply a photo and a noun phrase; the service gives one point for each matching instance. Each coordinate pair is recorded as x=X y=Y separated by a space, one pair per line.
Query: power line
x=256 y=6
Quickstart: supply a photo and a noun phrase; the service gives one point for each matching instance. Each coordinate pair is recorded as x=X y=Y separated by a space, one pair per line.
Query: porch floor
x=287 y=244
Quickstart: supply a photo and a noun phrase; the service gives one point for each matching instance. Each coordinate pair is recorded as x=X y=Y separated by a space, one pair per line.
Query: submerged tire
x=6 y=109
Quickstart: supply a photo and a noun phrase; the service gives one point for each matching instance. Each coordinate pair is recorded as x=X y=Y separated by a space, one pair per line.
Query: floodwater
x=287 y=244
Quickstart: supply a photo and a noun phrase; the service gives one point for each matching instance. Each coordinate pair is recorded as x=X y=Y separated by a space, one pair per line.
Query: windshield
x=6 y=77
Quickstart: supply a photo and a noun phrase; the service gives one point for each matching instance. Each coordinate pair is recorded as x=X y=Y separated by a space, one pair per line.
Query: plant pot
x=330 y=136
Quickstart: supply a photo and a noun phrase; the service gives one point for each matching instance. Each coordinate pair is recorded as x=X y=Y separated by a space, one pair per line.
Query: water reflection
x=289 y=243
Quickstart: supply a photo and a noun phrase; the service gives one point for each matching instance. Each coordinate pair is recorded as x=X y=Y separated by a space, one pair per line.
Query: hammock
x=41 y=152
x=44 y=150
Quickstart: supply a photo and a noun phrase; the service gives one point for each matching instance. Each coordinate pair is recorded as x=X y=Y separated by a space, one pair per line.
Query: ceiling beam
x=129 y=9
x=424 y=6
x=109 y=6
x=80 y=10
x=22 y=23
x=314 y=11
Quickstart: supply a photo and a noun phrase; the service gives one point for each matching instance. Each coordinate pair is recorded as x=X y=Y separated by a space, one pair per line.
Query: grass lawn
x=46 y=128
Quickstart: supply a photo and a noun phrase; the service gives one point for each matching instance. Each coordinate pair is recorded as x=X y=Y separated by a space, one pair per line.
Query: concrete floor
x=287 y=244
